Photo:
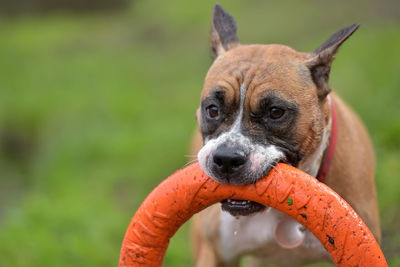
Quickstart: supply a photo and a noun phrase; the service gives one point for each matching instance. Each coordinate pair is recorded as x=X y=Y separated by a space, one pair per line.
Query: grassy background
x=96 y=109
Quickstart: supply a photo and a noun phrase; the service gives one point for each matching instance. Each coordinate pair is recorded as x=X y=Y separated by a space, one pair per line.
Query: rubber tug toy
x=287 y=189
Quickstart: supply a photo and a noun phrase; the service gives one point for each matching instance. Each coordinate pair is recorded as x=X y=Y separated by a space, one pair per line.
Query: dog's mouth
x=241 y=207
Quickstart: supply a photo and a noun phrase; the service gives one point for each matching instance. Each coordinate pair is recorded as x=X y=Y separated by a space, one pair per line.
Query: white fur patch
x=246 y=233
x=238 y=122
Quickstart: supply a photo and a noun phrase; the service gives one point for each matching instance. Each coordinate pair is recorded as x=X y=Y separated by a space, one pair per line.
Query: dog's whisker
x=190 y=162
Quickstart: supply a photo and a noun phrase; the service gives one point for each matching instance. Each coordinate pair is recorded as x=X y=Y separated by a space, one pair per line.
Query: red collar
x=330 y=150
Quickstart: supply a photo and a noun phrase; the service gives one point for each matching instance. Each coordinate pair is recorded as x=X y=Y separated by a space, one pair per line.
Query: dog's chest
x=247 y=234
x=240 y=234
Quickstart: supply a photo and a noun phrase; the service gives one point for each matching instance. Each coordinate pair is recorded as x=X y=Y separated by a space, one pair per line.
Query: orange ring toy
x=313 y=204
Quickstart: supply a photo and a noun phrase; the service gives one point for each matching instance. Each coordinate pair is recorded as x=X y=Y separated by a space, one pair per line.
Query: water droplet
x=235 y=233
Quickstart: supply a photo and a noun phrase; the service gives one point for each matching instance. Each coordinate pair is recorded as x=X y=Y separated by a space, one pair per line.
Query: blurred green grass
x=95 y=110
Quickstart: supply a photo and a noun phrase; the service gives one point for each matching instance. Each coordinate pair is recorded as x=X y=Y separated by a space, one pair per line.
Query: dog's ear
x=223 y=31
x=321 y=59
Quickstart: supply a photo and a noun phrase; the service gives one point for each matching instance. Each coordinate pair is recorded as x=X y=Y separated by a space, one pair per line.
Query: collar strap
x=330 y=150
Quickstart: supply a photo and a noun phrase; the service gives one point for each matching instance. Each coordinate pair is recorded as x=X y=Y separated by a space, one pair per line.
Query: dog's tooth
x=238 y=202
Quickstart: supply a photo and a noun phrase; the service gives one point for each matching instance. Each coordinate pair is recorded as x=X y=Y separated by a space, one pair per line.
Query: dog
x=265 y=104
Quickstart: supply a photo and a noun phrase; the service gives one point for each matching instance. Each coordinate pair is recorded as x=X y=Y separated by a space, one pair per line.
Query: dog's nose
x=228 y=160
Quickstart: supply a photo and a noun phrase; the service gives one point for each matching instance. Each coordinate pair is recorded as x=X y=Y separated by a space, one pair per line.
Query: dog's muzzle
x=229 y=164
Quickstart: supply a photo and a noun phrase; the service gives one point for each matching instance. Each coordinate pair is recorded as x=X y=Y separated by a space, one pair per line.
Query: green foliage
x=106 y=105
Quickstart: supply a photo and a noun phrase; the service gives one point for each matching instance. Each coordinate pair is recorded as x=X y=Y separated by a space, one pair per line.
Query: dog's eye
x=275 y=113
x=212 y=111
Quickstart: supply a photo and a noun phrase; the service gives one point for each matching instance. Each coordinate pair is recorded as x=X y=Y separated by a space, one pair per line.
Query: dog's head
x=262 y=104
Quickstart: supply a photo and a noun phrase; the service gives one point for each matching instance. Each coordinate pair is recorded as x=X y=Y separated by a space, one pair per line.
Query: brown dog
x=264 y=104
